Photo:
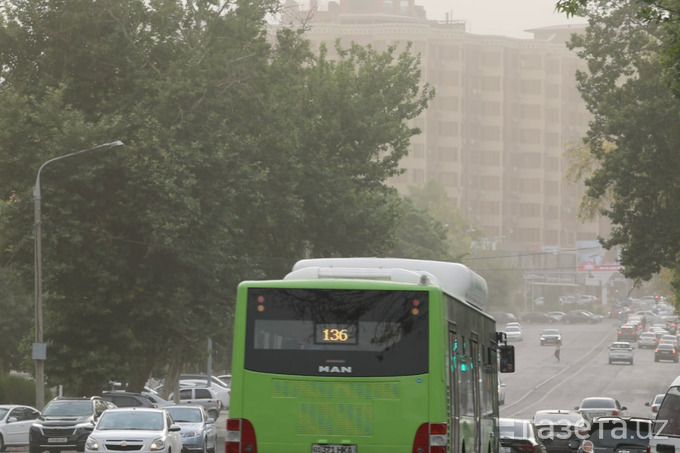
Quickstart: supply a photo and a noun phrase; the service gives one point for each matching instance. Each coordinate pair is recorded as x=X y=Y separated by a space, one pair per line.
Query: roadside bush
x=17 y=390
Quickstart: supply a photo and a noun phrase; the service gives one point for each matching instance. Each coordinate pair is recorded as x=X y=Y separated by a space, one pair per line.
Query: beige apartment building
x=495 y=136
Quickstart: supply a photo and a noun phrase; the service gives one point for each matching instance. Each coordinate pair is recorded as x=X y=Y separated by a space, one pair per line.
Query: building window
x=491 y=108
x=530 y=111
x=529 y=209
x=491 y=183
x=491 y=133
x=530 y=136
x=489 y=207
x=491 y=83
x=447 y=153
x=448 y=179
x=530 y=87
x=448 y=128
x=490 y=158
x=492 y=59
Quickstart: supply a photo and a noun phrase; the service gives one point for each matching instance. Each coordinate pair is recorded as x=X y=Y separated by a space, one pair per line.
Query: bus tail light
x=240 y=436
x=431 y=438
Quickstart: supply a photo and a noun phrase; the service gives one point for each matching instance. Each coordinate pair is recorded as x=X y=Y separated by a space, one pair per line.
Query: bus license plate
x=56 y=440
x=333 y=448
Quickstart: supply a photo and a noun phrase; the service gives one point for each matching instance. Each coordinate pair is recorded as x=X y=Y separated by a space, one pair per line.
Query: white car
x=513 y=333
x=15 y=421
x=223 y=393
x=135 y=429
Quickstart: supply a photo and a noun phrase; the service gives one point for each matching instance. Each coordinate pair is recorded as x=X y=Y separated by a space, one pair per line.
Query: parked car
x=618 y=435
x=197 y=428
x=503 y=317
x=519 y=436
x=128 y=399
x=581 y=316
x=537 y=317
x=559 y=429
x=654 y=405
x=223 y=393
x=135 y=429
x=513 y=333
x=557 y=315
x=156 y=398
x=226 y=378
x=647 y=340
x=665 y=352
x=600 y=406
x=550 y=336
x=15 y=422
x=621 y=351
x=203 y=396
x=65 y=424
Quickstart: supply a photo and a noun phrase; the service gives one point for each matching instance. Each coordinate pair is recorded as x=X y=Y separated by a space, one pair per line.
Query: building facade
x=495 y=136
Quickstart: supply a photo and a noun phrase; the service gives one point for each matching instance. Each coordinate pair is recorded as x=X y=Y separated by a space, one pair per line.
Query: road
x=540 y=382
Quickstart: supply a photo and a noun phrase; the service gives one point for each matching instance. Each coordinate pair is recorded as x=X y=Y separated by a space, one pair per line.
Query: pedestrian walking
x=558 y=345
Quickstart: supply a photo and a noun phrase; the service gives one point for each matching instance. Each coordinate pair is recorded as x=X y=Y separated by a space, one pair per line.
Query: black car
x=581 y=317
x=560 y=429
x=128 y=399
x=615 y=435
x=65 y=424
x=666 y=351
x=627 y=333
x=538 y=317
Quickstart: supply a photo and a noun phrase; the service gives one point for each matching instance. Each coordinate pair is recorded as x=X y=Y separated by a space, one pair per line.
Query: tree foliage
x=240 y=157
x=634 y=134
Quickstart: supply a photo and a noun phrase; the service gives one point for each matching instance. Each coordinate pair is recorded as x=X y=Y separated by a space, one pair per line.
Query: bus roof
x=454 y=279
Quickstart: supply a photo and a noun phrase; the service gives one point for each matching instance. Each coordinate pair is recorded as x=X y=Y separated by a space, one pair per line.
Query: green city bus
x=365 y=355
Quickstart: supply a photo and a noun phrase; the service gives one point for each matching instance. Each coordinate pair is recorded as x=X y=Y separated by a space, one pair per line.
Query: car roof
x=136 y=409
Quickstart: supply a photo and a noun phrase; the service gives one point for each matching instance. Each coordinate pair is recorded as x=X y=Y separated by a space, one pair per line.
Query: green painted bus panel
x=377 y=412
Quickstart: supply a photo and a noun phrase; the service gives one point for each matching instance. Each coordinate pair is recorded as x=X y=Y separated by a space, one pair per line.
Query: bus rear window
x=314 y=332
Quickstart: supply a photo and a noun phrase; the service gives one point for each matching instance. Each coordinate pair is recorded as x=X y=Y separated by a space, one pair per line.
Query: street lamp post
x=39 y=348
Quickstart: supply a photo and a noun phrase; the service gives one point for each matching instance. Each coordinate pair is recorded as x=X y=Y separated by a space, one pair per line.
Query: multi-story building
x=495 y=136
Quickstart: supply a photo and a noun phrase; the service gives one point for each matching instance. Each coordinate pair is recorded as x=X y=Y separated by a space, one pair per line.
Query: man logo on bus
x=334 y=369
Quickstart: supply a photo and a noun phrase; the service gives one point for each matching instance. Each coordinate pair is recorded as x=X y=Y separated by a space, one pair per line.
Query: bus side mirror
x=507 y=353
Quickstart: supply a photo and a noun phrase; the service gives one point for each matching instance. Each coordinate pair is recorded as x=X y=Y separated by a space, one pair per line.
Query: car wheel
x=656 y=359
x=2 y=444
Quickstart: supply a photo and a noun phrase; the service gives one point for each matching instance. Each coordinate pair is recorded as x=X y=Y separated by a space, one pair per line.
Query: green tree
x=240 y=157
x=633 y=136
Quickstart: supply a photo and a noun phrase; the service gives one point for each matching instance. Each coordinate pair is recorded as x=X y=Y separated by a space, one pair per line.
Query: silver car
x=198 y=428
x=621 y=351
x=135 y=429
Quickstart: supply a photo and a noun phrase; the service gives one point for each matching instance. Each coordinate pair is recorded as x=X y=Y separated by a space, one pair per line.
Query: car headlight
x=92 y=444
x=157 y=444
x=194 y=433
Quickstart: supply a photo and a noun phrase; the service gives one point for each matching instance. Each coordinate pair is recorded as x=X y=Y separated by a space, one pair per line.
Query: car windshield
x=136 y=420
x=666 y=346
x=551 y=332
x=68 y=409
x=185 y=415
x=621 y=346
x=615 y=433
x=597 y=403
x=3 y=412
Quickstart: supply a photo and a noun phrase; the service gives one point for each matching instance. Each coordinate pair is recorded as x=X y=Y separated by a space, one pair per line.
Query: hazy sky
x=498 y=17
